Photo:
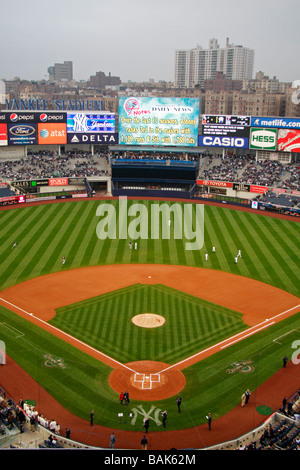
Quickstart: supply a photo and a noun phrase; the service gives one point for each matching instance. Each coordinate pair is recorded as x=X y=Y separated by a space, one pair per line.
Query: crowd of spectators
x=230 y=168
x=245 y=169
x=129 y=155
x=283 y=434
x=10 y=415
x=47 y=164
x=280 y=199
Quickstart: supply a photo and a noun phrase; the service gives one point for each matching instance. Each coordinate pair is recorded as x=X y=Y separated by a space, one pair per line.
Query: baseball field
x=156 y=319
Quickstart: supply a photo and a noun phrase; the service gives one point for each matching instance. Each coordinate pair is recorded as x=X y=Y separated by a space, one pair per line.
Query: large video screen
x=88 y=128
x=159 y=121
x=235 y=126
x=86 y=123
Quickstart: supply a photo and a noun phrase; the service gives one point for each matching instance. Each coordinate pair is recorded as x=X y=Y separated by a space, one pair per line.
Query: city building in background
x=61 y=72
x=194 y=66
x=101 y=81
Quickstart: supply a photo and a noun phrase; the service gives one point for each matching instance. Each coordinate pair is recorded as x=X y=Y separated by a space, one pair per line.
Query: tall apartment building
x=193 y=66
x=260 y=103
x=61 y=72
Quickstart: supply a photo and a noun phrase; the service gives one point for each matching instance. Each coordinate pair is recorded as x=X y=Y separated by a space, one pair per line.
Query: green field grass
x=191 y=324
x=270 y=247
x=270 y=253
x=80 y=382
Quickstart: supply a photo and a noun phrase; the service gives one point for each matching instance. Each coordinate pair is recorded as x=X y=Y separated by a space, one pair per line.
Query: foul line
x=69 y=336
x=229 y=341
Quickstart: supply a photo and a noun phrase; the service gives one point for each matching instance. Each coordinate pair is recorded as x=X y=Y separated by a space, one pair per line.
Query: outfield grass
x=270 y=247
x=270 y=253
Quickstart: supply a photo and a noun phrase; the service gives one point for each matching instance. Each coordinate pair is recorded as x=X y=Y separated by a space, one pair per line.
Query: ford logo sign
x=22 y=130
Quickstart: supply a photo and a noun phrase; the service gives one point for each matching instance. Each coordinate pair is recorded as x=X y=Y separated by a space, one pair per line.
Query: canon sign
x=218 y=141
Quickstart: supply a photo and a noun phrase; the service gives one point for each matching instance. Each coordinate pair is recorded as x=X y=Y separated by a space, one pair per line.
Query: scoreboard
x=225 y=125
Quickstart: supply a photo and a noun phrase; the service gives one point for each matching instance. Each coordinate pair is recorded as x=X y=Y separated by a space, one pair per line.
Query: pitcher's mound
x=148 y=320
x=147 y=380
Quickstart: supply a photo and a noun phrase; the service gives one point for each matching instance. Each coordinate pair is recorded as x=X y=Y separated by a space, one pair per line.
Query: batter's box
x=139 y=377
x=155 y=377
x=146 y=379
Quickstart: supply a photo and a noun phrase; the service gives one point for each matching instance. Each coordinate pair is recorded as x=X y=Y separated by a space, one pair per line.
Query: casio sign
x=223 y=141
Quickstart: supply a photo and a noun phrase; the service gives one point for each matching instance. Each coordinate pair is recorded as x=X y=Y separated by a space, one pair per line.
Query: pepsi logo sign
x=13 y=117
x=21 y=117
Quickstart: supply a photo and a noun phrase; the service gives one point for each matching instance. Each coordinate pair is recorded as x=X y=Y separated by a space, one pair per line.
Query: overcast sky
x=136 y=39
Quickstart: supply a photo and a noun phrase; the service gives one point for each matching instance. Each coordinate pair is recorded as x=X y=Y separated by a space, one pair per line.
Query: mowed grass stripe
x=12 y=224
x=42 y=246
x=26 y=225
x=291 y=253
x=251 y=264
x=48 y=255
x=57 y=239
x=273 y=261
x=286 y=256
x=212 y=225
x=22 y=266
x=240 y=227
x=229 y=243
x=80 y=229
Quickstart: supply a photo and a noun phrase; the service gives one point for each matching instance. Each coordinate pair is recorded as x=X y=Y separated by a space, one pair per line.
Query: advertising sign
x=84 y=123
x=50 y=116
x=3 y=135
x=21 y=117
x=21 y=199
x=263 y=139
x=84 y=128
x=223 y=125
x=217 y=141
x=58 y=182
x=90 y=138
x=278 y=122
x=158 y=121
x=52 y=133
x=22 y=134
x=288 y=141
x=219 y=184
x=258 y=189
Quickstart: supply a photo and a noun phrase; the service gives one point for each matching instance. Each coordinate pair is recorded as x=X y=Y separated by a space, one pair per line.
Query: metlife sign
x=263 y=139
x=277 y=122
x=218 y=141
